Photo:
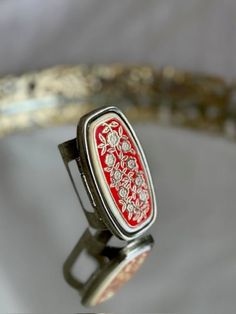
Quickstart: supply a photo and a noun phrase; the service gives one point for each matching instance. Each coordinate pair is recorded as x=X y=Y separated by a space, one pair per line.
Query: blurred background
x=193 y=265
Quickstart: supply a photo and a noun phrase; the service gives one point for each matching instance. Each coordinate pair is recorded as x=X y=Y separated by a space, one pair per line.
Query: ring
x=114 y=172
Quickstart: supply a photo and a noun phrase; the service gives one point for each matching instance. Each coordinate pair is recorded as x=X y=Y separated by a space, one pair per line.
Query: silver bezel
x=86 y=165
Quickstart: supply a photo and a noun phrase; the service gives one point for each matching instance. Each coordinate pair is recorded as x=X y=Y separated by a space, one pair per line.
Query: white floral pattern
x=125 y=173
x=110 y=160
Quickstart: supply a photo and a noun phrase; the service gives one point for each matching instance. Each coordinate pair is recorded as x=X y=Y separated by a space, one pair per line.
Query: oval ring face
x=120 y=172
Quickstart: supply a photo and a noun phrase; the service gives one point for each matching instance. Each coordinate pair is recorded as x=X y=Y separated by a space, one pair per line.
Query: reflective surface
x=192 y=264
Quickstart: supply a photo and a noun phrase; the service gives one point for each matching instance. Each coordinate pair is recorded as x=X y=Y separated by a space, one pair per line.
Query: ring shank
x=69 y=152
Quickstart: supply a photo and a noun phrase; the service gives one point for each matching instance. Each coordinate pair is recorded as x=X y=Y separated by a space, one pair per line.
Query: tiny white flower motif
x=110 y=160
x=117 y=175
x=123 y=192
x=131 y=163
x=143 y=195
x=113 y=138
x=130 y=207
x=139 y=180
x=125 y=146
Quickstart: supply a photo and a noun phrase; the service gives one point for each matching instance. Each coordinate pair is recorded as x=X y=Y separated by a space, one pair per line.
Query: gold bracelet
x=62 y=94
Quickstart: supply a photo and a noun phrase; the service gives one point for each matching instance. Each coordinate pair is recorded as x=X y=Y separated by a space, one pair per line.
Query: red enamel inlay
x=124 y=171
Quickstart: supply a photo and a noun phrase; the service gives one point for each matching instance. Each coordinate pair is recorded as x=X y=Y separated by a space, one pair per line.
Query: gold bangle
x=62 y=94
